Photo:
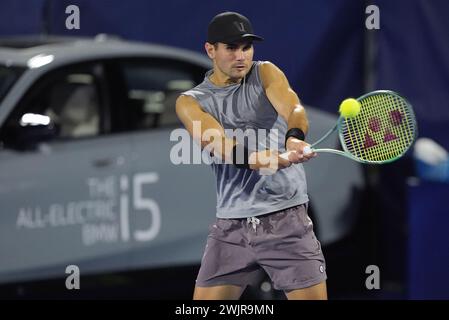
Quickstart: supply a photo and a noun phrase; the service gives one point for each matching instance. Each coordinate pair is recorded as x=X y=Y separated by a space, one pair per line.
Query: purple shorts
x=281 y=243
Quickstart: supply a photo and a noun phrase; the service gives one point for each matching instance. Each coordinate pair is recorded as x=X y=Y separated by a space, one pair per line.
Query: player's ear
x=210 y=50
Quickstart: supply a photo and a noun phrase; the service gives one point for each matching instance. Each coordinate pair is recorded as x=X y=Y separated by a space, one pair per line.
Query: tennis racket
x=382 y=132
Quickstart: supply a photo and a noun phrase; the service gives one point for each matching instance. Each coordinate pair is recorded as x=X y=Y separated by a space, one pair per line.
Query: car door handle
x=102 y=163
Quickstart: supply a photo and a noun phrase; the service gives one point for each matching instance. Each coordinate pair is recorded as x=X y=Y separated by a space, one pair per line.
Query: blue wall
x=20 y=17
x=413 y=59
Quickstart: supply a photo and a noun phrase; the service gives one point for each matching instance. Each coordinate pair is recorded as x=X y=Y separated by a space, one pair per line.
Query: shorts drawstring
x=254 y=221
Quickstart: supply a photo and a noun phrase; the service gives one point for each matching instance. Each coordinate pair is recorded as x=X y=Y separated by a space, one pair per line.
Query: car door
x=63 y=179
x=172 y=204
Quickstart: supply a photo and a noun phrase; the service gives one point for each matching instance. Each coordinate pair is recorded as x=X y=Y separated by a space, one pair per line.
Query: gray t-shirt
x=244 y=193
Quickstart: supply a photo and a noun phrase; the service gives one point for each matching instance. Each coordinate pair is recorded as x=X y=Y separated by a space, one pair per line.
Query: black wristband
x=239 y=150
x=294 y=132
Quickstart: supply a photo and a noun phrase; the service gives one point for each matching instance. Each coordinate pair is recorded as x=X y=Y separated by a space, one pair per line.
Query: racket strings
x=384 y=129
x=387 y=124
x=382 y=139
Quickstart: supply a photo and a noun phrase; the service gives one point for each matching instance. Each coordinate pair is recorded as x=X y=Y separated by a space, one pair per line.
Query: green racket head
x=382 y=132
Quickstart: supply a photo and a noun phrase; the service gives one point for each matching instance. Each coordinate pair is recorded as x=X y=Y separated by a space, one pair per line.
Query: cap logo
x=239 y=26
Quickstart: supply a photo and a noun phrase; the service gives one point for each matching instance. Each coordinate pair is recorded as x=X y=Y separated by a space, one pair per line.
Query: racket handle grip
x=306 y=150
x=270 y=171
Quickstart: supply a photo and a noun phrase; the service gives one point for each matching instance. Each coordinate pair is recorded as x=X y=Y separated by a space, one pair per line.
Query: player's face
x=233 y=61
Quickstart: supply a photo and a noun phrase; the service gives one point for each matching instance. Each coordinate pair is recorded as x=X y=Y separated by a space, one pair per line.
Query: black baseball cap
x=230 y=27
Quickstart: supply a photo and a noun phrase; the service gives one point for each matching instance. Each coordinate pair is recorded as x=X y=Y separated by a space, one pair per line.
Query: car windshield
x=8 y=76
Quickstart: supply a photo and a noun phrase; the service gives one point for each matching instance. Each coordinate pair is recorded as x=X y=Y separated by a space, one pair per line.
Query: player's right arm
x=206 y=130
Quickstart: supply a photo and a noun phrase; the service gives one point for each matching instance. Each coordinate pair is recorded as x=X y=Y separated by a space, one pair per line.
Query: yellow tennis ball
x=350 y=108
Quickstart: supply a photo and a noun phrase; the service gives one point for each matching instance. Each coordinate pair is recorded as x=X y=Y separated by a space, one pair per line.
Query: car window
x=8 y=75
x=152 y=88
x=68 y=98
x=73 y=104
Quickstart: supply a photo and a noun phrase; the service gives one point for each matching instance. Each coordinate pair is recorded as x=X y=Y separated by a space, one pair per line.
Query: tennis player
x=262 y=222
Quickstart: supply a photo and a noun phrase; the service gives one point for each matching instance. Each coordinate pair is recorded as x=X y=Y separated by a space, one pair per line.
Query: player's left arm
x=288 y=106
